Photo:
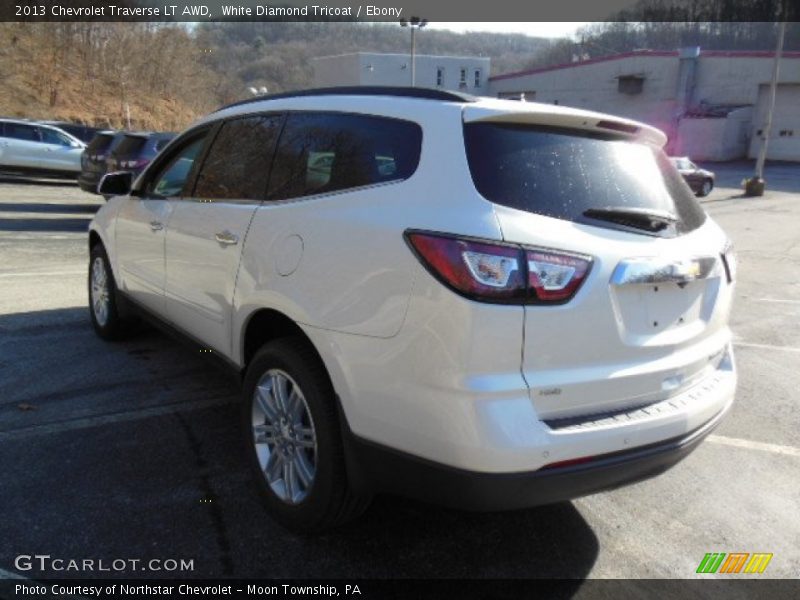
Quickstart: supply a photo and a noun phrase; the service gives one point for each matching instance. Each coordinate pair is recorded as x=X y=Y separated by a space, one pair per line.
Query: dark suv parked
x=93 y=160
x=136 y=150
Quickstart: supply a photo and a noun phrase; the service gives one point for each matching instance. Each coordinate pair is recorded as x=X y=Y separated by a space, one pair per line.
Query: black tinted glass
x=130 y=146
x=325 y=152
x=100 y=143
x=161 y=143
x=172 y=179
x=21 y=132
x=562 y=173
x=50 y=136
x=237 y=165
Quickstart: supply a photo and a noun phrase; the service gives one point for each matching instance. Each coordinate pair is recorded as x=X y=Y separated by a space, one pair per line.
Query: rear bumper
x=88 y=181
x=381 y=469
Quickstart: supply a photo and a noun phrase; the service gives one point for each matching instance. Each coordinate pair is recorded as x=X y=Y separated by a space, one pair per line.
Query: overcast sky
x=549 y=30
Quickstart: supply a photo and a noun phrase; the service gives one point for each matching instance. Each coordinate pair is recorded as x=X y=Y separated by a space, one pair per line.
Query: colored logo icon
x=735 y=562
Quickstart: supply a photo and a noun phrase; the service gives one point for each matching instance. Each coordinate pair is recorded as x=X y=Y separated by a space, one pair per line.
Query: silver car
x=30 y=148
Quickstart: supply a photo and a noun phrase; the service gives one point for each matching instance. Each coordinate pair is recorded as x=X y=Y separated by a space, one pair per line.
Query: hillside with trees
x=166 y=75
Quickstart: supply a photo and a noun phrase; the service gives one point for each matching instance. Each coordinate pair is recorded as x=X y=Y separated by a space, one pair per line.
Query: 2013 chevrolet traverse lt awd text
x=484 y=303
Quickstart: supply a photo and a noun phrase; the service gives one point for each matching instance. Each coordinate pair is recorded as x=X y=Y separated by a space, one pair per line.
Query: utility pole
x=756 y=185
x=413 y=23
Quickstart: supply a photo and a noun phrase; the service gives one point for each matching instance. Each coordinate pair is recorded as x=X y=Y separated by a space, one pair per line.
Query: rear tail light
x=500 y=273
x=137 y=163
x=555 y=277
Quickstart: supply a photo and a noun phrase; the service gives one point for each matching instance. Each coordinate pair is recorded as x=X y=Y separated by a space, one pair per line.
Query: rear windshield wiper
x=650 y=219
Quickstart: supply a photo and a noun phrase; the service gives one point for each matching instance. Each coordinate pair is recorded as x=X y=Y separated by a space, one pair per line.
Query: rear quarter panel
x=356 y=273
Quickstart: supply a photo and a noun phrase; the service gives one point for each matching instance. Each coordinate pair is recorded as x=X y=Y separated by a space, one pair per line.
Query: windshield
x=566 y=174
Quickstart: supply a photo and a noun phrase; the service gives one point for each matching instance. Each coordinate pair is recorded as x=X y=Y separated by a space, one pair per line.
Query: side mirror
x=76 y=144
x=115 y=184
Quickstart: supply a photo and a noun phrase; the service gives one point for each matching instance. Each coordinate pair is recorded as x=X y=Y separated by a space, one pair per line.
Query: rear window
x=100 y=143
x=130 y=145
x=320 y=153
x=563 y=173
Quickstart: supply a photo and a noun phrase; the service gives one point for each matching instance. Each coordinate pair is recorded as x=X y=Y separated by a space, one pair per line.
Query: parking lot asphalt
x=129 y=450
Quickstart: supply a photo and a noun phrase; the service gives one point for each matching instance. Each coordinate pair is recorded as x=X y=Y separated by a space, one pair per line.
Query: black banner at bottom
x=406 y=589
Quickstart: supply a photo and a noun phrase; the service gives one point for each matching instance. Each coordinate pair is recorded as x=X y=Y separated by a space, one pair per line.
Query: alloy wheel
x=101 y=298
x=284 y=437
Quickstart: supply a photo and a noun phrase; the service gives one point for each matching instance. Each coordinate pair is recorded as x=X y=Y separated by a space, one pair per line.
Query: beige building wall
x=368 y=68
x=595 y=86
x=721 y=78
x=716 y=139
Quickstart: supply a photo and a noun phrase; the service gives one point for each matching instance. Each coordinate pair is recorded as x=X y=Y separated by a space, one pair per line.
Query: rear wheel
x=293 y=440
x=706 y=188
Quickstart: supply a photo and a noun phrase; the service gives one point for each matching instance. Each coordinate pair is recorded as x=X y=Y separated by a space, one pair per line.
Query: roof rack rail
x=402 y=92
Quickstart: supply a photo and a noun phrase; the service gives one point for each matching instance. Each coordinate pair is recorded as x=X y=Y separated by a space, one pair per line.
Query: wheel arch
x=265 y=325
x=94 y=239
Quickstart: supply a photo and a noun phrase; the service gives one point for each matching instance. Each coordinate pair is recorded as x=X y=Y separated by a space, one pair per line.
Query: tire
x=319 y=495
x=107 y=323
x=705 y=188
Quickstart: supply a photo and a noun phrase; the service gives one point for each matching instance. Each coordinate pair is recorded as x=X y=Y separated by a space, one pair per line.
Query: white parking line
x=767 y=347
x=750 y=445
x=87 y=422
x=43 y=273
x=778 y=300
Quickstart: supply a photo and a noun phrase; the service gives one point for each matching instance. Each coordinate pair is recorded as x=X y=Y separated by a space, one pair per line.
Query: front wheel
x=104 y=310
x=293 y=440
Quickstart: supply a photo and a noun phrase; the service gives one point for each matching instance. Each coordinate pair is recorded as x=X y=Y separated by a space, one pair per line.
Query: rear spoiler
x=533 y=113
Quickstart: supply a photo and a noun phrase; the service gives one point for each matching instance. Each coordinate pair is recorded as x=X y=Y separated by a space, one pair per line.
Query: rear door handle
x=156 y=226
x=226 y=238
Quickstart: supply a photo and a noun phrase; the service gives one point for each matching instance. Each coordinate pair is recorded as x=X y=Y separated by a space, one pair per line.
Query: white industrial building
x=711 y=104
x=468 y=74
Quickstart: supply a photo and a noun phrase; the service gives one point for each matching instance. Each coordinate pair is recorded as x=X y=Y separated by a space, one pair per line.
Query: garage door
x=784 y=140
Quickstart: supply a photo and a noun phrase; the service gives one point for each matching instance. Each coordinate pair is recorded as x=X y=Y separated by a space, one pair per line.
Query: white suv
x=30 y=148
x=488 y=304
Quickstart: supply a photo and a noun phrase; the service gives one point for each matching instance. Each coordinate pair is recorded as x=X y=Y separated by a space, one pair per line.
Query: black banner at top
x=395 y=10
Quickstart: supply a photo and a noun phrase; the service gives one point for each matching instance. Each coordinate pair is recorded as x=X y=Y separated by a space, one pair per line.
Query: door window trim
x=201 y=160
x=155 y=169
x=312 y=111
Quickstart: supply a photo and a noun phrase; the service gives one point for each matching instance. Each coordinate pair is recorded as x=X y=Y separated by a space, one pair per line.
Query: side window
x=21 y=131
x=171 y=179
x=51 y=136
x=320 y=153
x=237 y=165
